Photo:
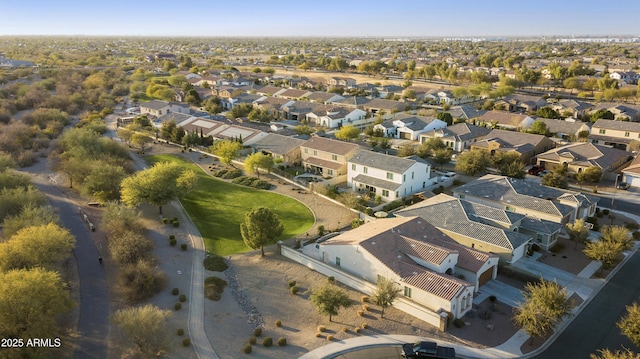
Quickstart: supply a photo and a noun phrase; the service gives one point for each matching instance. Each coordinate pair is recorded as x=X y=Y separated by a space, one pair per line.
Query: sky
x=326 y=18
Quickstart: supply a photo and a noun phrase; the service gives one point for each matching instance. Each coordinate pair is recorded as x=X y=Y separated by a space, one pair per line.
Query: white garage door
x=633 y=181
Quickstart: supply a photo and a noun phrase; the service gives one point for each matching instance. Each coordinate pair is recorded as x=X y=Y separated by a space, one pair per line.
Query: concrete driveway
x=545 y=271
x=505 y=293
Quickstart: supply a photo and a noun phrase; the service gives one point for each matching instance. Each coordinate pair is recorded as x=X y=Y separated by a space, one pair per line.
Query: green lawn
x=217 y=208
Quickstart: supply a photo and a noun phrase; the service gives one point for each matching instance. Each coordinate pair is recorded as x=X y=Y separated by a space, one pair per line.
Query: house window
x=330 y=172
x=404 y=178
x=306 y=150
x=353 y=167
x=389 y=176
x=407 y=292
x=334 y=157
x=385 y=193
x=315 y=153
x=602 y=132
x=510 y=209
x=365 y=170
x=338 y=261
x=412 y=175
x=626 y=134
x=539 y=238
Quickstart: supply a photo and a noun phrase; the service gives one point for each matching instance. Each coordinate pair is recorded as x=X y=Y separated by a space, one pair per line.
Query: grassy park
x=217 y=208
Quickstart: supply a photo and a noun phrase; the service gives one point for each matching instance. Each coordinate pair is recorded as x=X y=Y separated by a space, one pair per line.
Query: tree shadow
x=289 y=329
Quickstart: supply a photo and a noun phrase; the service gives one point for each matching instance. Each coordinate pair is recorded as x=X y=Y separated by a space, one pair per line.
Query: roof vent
x=373 y=243
x=399 y=256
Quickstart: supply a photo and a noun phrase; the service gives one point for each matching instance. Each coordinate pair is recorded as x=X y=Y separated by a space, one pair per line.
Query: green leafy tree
x=257 y=161
x=629 y=325
x=45 y=246
x=446 y=117
x=544 y=305
x=158 y=185
x=140 y=140
x=555 y=179
x=614 y=240
x=602 y=114
x=146 y=327
x=128 y=246
x=385 y=294
x=260 y=115
x=103 y=182
x=539 y=128
x=547 y=112
x=328 y=299
x=13 y=200
x=261 y=227
x=304 y=130
x=347 y=133
x=591 y=174
x=30 y=301
x=240 y=110
x=472 y=162
x=29 y=216
x=442 y=156
x=509 y=164
x=428 y=148
x=227 y=150
x=577 y=231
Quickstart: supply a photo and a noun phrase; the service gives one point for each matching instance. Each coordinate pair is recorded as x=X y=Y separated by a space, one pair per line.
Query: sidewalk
x=581 y=285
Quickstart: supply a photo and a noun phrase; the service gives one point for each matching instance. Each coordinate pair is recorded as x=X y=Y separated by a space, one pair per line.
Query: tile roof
x=154 y=104
x=521 y=142
x=561 y=126
x=318 y=162
x=503 y=118
x=476 y=212
x=293 y=93
x=460 y=132
x=330 y=146
x=585 y=154
x=617 y=125
x=540 y=225
x=634 y=167
x=381 y=161
x=448 y=214
x=278 y=144
x=466 y=112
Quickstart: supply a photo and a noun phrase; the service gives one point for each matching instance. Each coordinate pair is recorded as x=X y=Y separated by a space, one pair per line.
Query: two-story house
x=527 y=145
x=458 y=137
x=618 y=134
x=326 y=156
x=285 y=149
x=528 y=198
x=388 y=176
x=341 y=81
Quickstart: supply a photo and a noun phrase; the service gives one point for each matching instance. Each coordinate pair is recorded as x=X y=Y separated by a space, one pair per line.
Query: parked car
x=427 y=350
x=624 y=185
x=535 y=170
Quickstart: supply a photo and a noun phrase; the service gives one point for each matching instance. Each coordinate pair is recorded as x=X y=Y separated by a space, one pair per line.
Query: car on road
x=424 y=349
x=624 y=185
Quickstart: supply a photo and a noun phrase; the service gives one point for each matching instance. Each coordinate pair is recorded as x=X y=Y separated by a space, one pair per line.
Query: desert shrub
x=253 y=340
x=329 y=337
x=365 y=325
x=594 y=221
x=605 y=212
x=128 y=247
x=356 y=223
x=331 y=279
x=278 y=323
x=213 y=287
x=599 y=215
x=318 y=334
x=391 y=206
x=252 y=182
x=176 y=223
x=246 y=348
x=458 y=323
x=345 y=329
x=183 y=298
x=141 y=280
x=632 y=226
x=365 y=307
x=636 y=235
x=267 y=341
x=493 y=298
x=172 y=236
x=177 y=306
x=180 y=332
x=228 y=173
x=292 y=283
x=186 y=342
x=356 y=329
x=175 y=291
x=321 y=328
x=360 y=313
x=364 y=299
x=183 y=246
x=165 y=220
x=257 y=332
x=320 y=230
x=535 y=247
x=214 y=262
x=282 y=341
x=173 y=242
x=294 y=290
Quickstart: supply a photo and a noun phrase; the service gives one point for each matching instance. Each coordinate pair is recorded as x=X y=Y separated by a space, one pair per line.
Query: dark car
x=535 y=170
x=623 y=185
x=427 y=350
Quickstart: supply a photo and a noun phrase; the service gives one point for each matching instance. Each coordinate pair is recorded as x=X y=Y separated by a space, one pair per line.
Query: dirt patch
x=488 y=324
x=570 y=259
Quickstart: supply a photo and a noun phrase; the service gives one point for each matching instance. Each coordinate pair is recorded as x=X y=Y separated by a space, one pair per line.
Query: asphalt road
x=594 y=328
x=93 y=324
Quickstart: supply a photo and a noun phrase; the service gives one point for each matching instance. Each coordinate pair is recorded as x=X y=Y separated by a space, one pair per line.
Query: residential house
x=423 y=261
x=504 y=120
x=475 y=226
x=341 y=81
x=618 y=134
x=270 y=90
x=521 y=103
x=225 y=91
x=246 y=98
x=293 y=94
x=387 y=108
x=621 y=112
x=324 y=97
x=326 y=156
x=625 y=77
x=176 y=117
x=566 y=129
x=409 y=127
x=573 y=108
x=388 y=176
x=298 y=110
x=457 y=137
x=223 y=130
x=582 y=155
x=631 y=174
x=283 y=149
x=529 y=198
x=210 y=81
x=334 y=116
x=274 y=105
x=464 y=112
x=526 y=144
x=158 y=108
x=389 y=91
x=446 y=97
